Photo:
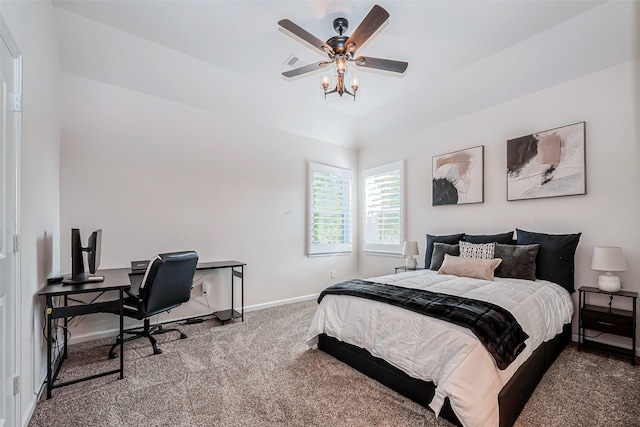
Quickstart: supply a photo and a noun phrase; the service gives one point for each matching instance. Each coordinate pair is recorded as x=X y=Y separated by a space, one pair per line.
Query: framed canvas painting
x=547 y=164
x=458 y=177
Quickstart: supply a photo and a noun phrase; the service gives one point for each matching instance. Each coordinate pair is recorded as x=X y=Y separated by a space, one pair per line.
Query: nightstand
x=403 y=268
x=608 y=320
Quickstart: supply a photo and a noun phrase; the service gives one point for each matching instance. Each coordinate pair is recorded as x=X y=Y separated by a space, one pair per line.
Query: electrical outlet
x=333 y=274
x=205 y=289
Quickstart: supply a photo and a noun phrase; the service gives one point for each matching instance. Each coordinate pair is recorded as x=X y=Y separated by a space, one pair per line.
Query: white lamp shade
x=410 y=248
x=608 y=258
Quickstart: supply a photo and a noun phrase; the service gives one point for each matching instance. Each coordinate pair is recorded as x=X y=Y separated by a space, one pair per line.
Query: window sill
x=325 y=254
x=380 y=253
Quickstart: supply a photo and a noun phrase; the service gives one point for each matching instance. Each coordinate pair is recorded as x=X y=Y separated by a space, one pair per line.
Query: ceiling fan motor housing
x=340 y=25
x=337 y=43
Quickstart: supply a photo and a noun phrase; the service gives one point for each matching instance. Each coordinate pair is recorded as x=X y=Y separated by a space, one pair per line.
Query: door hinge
x=16 y=385
x=17 y=103
x=16 y=243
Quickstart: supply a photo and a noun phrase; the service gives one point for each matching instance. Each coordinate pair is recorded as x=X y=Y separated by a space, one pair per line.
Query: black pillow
x=555 y=260
x=518 y=262
x=451 y=239
x=439 y=251
x=502 y=238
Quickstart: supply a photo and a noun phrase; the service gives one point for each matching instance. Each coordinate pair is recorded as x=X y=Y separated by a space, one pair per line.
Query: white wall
x=607 y=215
x=33 y=28
x=159 y=176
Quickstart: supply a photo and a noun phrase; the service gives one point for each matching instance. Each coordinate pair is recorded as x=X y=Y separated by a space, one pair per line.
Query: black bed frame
x=512 y=398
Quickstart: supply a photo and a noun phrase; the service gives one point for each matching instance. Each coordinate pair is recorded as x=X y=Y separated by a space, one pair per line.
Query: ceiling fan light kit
x=341 y=50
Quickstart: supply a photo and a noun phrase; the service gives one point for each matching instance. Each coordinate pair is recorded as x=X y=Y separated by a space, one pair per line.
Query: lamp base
x=609 y=283
x=411 y=263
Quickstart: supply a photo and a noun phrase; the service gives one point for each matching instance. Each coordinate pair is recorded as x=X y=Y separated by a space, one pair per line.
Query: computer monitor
x=78 y=274
x=93 y=248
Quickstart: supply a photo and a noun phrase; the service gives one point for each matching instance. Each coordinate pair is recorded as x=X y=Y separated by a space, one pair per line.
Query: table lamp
x=410 y=249
x=608 y=259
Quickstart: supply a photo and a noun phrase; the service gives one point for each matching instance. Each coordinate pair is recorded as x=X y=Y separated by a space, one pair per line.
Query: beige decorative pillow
x=477 y=268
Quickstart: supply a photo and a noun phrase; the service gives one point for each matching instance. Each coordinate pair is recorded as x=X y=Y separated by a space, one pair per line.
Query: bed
x=447 y=366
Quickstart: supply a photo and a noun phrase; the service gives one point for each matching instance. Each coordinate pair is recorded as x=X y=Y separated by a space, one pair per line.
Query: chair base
x=148 y=332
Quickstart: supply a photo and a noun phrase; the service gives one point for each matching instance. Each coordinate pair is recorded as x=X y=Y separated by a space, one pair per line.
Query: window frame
x=327 y=249
x=378 y=248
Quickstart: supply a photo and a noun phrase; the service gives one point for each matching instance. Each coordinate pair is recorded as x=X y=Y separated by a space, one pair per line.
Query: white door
x=10 y=82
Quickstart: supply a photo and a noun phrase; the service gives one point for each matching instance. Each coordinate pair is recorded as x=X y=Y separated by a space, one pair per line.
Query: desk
x=114 y=280
x=237 y=270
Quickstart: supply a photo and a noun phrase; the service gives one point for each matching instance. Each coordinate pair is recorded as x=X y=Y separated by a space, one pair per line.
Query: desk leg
x=121 y=333
x=66 y=328
x=231 y=293
x=633 y=334
x=242 y=293
x=49 y=342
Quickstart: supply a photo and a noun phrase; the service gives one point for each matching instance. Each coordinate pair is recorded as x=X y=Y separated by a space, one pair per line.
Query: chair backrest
x=168 y=281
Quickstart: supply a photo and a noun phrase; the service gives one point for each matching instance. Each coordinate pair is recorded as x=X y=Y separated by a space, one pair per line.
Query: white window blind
x=329 y=209
x=384 y=209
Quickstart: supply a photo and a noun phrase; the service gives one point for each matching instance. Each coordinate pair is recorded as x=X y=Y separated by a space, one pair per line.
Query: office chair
x=166 y=284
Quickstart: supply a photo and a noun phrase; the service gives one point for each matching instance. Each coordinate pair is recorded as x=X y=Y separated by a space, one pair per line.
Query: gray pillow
x=439 y=250
x=518 y=261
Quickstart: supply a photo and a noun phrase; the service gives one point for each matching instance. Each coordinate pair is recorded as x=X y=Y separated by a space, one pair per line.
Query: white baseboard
x=280 y=302
x=31 y=406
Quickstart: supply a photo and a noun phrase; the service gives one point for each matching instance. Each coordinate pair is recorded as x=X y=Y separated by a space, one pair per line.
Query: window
x=384 y=209
x=329 y=210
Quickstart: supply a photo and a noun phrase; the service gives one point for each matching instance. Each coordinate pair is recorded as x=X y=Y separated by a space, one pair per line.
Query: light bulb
x=325 y=81
x=355 y=83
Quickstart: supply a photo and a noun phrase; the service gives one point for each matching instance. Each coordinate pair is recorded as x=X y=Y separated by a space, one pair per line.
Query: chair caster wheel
x=183 y=335
x=157 y=351
x=113 y=355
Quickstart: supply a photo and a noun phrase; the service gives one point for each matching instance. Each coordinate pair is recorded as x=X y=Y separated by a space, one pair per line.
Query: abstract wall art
x=458 y=177
x=547 y=164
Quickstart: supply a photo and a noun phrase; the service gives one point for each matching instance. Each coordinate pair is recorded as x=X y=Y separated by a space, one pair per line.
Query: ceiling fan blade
x=381 y=64
x=369 y=25
x=306 y=69
x=305 y=35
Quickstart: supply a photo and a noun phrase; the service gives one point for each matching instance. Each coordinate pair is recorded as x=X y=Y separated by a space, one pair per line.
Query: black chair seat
x=166 y=285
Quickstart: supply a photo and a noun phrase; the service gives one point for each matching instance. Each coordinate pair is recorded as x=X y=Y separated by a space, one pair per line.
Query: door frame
x=14 y=299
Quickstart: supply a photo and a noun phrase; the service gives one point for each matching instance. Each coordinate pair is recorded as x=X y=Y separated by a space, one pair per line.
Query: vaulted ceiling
x=228 y=56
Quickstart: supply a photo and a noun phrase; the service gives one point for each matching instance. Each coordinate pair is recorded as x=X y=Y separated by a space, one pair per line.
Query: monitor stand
x=88 y=279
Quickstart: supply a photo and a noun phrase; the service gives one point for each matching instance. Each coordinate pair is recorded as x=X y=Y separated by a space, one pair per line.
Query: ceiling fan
x=342 y=49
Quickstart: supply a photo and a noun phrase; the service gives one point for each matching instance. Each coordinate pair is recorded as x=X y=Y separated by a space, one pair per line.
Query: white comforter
x=435 y=350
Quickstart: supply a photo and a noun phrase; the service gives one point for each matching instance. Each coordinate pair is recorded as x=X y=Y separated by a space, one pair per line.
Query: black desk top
x=114 y=279
x=219 y=264
x=202 y=266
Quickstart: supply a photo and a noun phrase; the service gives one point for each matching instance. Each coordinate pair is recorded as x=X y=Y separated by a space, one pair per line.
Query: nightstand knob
x=605 y=323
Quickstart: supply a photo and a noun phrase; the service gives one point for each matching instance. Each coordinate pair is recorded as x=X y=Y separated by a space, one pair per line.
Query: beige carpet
x=261 y=373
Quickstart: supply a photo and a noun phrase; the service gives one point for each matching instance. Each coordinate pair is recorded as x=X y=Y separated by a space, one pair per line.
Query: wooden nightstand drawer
x=618 y=322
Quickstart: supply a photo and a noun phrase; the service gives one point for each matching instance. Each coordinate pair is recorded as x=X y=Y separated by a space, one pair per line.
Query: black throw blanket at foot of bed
x=495 y=327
